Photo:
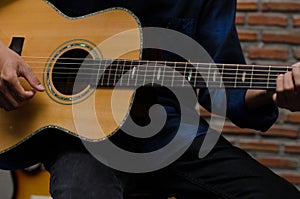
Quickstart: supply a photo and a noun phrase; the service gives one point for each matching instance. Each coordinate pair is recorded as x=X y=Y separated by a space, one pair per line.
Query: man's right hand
x=12 y=93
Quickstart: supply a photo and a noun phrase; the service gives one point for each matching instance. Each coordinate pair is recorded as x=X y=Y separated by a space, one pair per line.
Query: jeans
x=226 y=172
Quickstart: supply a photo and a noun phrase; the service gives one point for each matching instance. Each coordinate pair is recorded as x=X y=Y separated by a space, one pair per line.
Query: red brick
x=277 y=37
x=282 y=131
x=229 y=128
x=278 y=162
x=268 y=53
x=292 y=148
x=285 y=6
x=240 y=19
x=292 y=117
x=247 y=35
x=267 y=19
x=296 y=20
x=259 y=146
x=247 y=5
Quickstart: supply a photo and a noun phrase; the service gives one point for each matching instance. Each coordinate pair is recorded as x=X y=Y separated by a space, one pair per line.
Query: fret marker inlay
x=244 y=76
x=190 y=75
x=158 y=73
x=133 y=72
x=214 y=76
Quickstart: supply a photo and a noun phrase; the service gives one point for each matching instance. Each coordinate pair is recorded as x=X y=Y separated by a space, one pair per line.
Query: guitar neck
x=133 y=73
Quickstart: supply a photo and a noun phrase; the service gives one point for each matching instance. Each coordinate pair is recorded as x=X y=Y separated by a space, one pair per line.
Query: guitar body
x=49 y=37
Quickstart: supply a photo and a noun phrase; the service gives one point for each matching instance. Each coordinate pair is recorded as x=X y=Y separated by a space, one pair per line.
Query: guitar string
x=156 y=62
x=225 y=70
x=166 y=81
x=243 y=67
x=210 y=79
x=201 y=75
x=216 y=81
x=148 y=72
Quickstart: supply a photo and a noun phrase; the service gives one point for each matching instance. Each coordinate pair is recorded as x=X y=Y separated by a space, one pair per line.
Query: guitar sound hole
x=65 y=72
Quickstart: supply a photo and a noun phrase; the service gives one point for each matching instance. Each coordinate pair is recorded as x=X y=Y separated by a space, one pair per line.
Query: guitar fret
x=195 y=77
x=163 y=75
x=222 y=73
x=154 y=72
x=236 y=76
x=208 y=77
x=116 y=73
x=260 y=76
x=172 y=83
x=145 y=74
x=212 y=78
x=268 y=80
x=184 y=75
x=136 y=74
x=251 y=79
x=229 y=76
x=243 y=77
x=149 y=71
x=97 y=76
x=169 y=76
x=123 y=71
x=109 y=73
x=103 y=72
x=129 y=74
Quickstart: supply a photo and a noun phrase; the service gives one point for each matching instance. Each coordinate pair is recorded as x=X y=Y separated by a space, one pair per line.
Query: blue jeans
x=226 y=172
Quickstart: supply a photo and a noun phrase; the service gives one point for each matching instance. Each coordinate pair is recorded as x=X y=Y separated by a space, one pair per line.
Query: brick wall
x=270 y=34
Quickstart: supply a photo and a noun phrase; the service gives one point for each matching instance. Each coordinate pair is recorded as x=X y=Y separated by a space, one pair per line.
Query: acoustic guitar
x=80 y=61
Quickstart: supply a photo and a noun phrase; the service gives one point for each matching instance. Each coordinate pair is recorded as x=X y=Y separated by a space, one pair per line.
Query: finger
x=286 y=97
x=8 y=101
x=4 y=103
x=296 y=77
x=26 y=72
x=288 y=85
x=19 y=93
x=274 y=97
x=11 y=86
x=279 y=97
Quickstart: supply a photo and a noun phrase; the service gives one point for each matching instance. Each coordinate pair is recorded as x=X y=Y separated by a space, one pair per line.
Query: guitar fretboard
x=133 y=73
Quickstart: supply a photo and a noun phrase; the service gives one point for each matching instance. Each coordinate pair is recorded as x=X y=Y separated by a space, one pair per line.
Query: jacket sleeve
x=216 y=32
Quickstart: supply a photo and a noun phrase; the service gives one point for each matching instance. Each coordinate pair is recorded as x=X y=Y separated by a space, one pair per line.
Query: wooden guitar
x=48 y=41
x=55 y=46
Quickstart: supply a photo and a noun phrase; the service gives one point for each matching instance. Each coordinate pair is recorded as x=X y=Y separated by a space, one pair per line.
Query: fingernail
x=41 y=87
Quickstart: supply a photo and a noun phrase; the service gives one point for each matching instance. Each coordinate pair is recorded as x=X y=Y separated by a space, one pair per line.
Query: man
x=225 y=172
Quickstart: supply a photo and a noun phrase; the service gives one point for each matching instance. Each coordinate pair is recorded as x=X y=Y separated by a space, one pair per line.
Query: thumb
x=274 y=97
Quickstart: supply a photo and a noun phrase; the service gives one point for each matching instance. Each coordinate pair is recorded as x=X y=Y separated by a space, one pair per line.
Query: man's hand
x=287 y=93
x=12 y=93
